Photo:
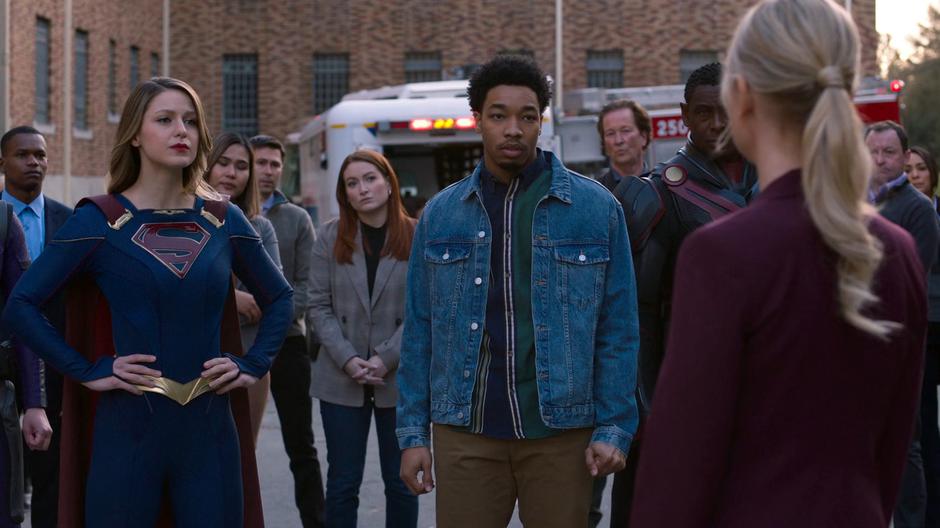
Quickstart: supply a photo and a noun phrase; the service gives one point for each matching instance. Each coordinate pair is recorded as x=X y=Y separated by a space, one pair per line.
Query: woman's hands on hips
x=128 y=371
x=225 y=375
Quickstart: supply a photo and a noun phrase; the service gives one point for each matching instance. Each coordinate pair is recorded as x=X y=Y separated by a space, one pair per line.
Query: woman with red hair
x=360 y=264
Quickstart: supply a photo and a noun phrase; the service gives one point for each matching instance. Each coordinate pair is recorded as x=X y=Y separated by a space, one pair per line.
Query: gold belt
x=181 y=393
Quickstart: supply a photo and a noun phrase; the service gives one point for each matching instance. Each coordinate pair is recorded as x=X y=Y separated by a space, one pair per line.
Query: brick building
x=269 y=65
x=69 y=75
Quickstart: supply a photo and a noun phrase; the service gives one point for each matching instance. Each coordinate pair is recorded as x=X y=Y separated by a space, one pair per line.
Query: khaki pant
x=480 y=478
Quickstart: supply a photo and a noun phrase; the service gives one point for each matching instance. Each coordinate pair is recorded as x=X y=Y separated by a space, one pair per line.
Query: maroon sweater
x=771 y=410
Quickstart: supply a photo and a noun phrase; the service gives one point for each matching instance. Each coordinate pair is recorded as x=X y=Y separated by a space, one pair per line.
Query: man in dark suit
x=23 y=161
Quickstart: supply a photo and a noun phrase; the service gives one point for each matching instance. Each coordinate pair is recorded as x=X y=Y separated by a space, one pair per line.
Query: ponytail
x=804 y=55
x=836 y=166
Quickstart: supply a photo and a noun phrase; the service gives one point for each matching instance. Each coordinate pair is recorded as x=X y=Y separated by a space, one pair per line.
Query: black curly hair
x=512 y=70
x=708 y=75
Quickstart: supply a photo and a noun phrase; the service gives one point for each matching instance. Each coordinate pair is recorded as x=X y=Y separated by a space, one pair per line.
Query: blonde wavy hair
x=125 y=157
x=804 y=57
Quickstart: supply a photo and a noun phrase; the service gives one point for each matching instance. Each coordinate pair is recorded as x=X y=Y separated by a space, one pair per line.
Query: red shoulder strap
x=218 y=208
x=108 y=204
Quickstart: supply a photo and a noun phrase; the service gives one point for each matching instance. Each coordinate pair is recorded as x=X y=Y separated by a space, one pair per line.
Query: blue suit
x=166 y=276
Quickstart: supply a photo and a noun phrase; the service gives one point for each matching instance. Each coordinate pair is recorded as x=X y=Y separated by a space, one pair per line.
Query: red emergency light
x=440 y=123
x=421 y=124
x=896 y=85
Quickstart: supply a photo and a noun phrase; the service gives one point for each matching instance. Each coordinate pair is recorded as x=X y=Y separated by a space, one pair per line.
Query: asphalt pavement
x=277 y=484
x=277 y=488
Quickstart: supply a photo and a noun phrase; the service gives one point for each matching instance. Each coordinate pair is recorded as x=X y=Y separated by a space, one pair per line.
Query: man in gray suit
x=290 y=373
x=23 y=161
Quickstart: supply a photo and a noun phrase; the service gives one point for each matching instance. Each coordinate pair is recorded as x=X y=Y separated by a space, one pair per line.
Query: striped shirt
x=505 y=396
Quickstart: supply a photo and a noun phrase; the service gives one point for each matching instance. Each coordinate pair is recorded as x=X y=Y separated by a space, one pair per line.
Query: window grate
x=112 y=78
x=423 y=66
x=154 y=64
x=240 y=94
x=691 y=60
x=604 y=68
x=330 y=80
x=80 y=85
x=42 y=71
x=135 y=67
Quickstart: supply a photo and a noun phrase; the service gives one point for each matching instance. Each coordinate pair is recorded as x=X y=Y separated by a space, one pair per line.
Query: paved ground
x=278 y=492
x=277 y=485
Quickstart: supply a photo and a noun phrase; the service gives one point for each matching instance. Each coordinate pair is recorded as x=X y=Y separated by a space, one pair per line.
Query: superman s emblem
x=175 y=245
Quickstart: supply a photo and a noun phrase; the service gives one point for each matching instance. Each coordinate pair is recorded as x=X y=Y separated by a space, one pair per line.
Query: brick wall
x=378 y=33
x=285 y=35
x=128 y=23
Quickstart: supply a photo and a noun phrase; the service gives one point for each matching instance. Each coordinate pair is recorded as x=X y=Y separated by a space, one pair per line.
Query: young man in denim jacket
x=521 y=331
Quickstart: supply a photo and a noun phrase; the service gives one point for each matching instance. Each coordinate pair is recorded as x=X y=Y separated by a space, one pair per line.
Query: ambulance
x=426 y=130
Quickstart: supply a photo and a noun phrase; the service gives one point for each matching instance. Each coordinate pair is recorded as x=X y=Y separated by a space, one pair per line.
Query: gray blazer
x=349 y=323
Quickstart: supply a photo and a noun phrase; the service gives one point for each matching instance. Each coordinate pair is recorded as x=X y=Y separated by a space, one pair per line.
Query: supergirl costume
x=166 y=276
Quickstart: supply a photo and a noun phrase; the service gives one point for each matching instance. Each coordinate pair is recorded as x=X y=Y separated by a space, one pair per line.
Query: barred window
x=330 y=79
x=112 y=78
x=42 y=71
x=80 y=86
x=691 y=60
x=240 y=94
x=135 y=67
x=605 y=68
x=422 y=66
x=154 y=64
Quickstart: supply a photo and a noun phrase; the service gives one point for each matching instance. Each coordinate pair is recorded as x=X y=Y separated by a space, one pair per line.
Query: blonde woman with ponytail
x=788 y=393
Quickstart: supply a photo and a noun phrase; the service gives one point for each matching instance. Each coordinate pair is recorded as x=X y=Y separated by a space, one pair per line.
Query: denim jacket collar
x=561 y=180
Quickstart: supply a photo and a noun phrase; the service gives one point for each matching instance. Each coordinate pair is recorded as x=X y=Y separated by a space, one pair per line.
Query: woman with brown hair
x=360 y=264
x=921 y=170
x=231 y=172
x=161 y=247
x=792 y=370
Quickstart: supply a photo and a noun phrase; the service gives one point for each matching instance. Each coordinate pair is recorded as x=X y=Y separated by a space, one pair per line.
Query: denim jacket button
x=481 y=234
x=474 y=326
x=581 y=258
x=446 y=256
x=478 y=281
x=460 y=415
x=466 y=373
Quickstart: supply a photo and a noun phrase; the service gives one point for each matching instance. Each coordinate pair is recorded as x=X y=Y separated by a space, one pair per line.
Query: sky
x=899 y=18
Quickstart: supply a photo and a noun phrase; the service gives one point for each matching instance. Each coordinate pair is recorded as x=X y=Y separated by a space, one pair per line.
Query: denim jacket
x=583 y=308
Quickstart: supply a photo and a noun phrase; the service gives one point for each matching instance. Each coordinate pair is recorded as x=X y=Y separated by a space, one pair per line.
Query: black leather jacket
x=662 y=208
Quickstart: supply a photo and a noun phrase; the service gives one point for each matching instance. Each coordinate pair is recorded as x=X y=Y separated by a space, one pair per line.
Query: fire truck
x=426 y=130
x=876 y=100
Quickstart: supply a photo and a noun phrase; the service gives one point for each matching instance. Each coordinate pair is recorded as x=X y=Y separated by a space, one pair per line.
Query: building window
x=42 y=71
x=154 y=65
x=422 y=66
x=605 y=68
x=135 y=67
x=112 y=78
x=240 y=94
x=330 y=79
x=691 y=60
x=80 y=86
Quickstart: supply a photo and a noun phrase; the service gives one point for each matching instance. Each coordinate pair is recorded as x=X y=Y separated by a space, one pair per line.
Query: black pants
x=290 y=387
x=911 y=509
x=930 y=436
x=42 y=467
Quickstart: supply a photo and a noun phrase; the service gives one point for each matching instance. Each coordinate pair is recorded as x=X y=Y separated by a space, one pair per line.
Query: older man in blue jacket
x=521 y=330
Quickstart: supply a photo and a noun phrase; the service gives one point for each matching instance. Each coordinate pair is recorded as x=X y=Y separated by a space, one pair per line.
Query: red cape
x=88 y=329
